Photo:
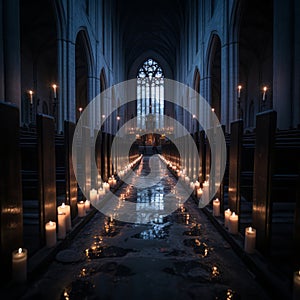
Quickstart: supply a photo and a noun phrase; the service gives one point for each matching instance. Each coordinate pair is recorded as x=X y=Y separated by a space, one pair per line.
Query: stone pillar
x=283 y=63
x=11 y=219
x=296 y=97
x=11 y=51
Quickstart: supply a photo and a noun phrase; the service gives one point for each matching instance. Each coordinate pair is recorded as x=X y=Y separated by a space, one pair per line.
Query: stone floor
x=181 y=256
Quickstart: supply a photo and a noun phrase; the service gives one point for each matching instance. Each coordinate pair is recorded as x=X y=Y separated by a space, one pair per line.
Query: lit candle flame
x=63 y=205
x=50 y=223
x=250 y=229
x=20 y=250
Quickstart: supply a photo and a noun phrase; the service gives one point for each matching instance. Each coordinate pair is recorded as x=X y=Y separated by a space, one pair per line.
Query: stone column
x=11 y=51
x=283 y=63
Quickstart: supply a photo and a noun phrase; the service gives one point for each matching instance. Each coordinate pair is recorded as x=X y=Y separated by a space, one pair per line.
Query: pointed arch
x=214 y=73
x=83 y=70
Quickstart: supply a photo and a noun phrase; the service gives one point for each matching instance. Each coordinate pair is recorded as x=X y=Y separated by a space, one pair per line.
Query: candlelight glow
x=63 y=205
x=50 y=223
x=265 y=88
x=80 y=109
x=20 y=250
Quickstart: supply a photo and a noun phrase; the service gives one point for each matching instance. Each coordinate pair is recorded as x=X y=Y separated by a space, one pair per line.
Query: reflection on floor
x=179 y=256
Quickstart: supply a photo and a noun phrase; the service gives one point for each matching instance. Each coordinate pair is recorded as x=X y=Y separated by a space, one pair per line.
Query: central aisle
x=181 y=256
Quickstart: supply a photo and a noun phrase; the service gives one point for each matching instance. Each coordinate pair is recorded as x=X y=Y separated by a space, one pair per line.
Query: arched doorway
x=215 y=75
x=255 y=57
x=81 y=72
x=150 y=103
x=39 y=61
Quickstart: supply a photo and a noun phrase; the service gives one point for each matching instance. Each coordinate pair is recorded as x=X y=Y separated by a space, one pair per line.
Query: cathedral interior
x=150 y=149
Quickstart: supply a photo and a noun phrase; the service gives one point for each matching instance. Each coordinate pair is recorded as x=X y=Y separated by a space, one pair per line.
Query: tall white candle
x=61 y=220
x=64 y=208
x=192 y=185
x=199 y=193
x=54 y=86
x=19 y=265
x=50 y=234
x=106 y=186
x=87 y=204
x=233 y=225
x=93 y=195
x=250 y=238
x=216 y=207
x=187 y=179
x=296 y=287
x=227 y=214
x=101 y=192
x=81 y=209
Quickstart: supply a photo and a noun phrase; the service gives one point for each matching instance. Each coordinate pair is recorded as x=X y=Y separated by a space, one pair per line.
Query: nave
x=180 y=256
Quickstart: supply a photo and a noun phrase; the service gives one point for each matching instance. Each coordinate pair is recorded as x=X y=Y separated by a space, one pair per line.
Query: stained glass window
x=150 y=94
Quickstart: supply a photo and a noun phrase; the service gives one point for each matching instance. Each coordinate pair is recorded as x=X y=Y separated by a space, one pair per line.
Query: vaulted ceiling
x=150 y=26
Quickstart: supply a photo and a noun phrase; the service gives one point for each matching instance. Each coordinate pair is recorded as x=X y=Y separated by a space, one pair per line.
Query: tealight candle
x=64 y=208
x=93 y=195
x=227 y=214
x=19 y=265
x=296 y=287
x=250 y=238
x=233 y=225
x=81 y=209
x=50 y=234
x=87 y=204
x=216 y=207
x=61 y=220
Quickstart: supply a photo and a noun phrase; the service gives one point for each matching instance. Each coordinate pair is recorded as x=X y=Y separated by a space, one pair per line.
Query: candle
x=187 y=179
x=30 y=92
x=250 y=238
x=264 y=93
x=106 y=186
x=99 y=180
x=19 y=265
x=114 y=182
x=93 y=195
x=296 y=287
x=227 y=214
x=54 y=90
x=192 y=185
x=87 y=204
x=199 y=193
x=50 y=234
x=110 y=181
x=81 y=209
x=197 y=186
x=239 y=91
x=101 y=192
x=61 y=220
x=216 y=207
x=67 y=210
x=233 y=223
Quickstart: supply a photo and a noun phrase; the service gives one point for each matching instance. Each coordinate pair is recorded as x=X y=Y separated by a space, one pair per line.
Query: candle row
x=264 y=92
x=30 y=93
x=231 y=222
